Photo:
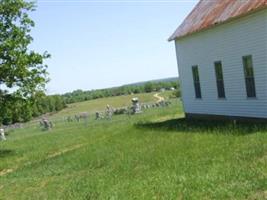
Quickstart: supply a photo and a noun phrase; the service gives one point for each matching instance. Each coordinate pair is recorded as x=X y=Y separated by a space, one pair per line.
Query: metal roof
x=209 y=13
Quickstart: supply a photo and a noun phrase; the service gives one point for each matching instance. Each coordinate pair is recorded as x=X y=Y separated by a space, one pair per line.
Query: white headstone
x=2 y=134
x=136 y=105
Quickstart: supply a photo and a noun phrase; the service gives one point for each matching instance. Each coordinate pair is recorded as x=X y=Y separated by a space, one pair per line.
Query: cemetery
x=66 y=151
x=199 y=136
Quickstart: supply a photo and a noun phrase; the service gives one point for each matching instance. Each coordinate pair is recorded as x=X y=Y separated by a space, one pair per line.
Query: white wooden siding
x=227 y=43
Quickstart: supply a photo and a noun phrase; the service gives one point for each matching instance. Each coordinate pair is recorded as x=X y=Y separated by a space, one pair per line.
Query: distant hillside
x=164 y=80
x=134 y=88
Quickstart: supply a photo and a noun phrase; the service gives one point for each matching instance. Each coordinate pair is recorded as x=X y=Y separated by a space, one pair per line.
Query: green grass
x=154 y=155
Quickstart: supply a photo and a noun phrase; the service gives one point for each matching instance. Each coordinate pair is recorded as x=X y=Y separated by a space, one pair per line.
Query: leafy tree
x=22 y=71
x=27 y=113
x=20 y=68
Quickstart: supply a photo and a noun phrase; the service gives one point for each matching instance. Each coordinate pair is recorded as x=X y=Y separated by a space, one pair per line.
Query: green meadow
x=154 y=155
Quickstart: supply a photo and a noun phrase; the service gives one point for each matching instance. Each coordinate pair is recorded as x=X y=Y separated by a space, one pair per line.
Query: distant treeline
x=79 y=95
x=16 y=110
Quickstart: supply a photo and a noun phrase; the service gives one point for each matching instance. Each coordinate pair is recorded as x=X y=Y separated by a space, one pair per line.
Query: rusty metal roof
x=209 y=13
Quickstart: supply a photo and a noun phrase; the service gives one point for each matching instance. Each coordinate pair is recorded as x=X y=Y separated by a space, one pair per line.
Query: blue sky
x=99 y=44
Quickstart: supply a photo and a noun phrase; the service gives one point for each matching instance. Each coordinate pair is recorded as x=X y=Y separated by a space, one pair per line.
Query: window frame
x=250 y=83
x=196 y=82
x=219 y=80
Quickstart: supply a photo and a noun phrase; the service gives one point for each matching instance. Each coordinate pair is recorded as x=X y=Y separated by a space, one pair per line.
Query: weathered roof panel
x=209 y=13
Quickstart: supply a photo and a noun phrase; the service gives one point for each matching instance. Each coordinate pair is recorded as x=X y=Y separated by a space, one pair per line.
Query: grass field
x=154 y=155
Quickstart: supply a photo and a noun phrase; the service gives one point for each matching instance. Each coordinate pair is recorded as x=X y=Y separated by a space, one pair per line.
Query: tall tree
x=21 y=70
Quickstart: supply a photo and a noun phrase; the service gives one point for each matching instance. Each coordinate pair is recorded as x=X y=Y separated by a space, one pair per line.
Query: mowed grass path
x=155 y=155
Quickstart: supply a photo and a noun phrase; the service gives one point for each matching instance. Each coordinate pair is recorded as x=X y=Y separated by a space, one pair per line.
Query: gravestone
x=82 y=116
x=98 y=115
x=46 y=124
x=136 y=105
x=2 y=134
x=109 y=112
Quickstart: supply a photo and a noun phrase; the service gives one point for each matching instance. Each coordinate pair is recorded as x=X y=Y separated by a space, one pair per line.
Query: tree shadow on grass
x=205 y=126
x=6 y=152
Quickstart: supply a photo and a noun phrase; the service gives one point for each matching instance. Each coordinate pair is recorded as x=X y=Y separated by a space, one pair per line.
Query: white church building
x=221 y=50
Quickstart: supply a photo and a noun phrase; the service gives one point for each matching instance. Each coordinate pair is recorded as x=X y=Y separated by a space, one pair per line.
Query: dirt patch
x=158 y=97
x=6 y=171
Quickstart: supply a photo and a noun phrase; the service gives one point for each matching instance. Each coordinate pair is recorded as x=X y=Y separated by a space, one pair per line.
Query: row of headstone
x=107 y=114
x=7 y=128
x=121 y=111
x=136 y=108
x=83 y=116
x=156 y=105
x=13 y=126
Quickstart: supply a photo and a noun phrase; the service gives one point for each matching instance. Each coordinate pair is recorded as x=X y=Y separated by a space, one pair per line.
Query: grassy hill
x=153 y=155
